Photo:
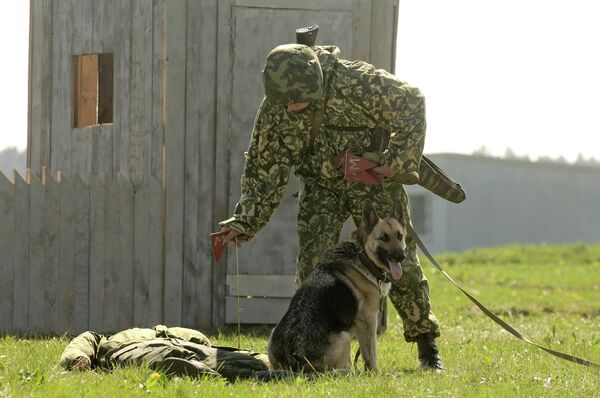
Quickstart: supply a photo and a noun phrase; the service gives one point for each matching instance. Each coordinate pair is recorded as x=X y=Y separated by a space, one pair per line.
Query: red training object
x=216 y=239
x=357 y=169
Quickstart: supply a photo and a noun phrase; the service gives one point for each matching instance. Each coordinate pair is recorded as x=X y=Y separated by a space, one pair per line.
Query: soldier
x=176 y=351
x=316 y=107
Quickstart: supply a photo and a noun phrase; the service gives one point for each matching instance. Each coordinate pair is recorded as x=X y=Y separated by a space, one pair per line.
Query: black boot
x=429 y=353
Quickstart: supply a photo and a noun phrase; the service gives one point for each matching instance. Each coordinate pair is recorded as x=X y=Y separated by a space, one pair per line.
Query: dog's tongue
x=396 y=269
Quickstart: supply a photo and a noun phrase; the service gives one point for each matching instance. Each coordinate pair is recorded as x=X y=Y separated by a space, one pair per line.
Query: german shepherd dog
x=341 y=298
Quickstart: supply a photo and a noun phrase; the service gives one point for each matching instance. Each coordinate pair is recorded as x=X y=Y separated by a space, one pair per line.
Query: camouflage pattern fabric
x=177 y=351
x=293 y=74
x=360 y=100
x=435 y=180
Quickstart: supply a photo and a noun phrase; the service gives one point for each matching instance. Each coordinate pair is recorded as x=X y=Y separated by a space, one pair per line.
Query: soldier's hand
x=81 y=364
x=233 y=236
x=375 y=157
x=385 y=171
x=372 y=157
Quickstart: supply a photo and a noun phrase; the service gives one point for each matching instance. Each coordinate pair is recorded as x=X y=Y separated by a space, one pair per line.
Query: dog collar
x=372 y=268
x=383 y=283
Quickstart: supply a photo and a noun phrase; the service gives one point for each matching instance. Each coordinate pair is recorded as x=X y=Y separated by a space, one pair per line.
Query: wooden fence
x=78 y=255
x=90 y=254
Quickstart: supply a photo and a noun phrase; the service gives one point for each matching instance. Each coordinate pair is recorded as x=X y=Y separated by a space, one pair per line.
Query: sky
x=14 y=71
x=523 y=74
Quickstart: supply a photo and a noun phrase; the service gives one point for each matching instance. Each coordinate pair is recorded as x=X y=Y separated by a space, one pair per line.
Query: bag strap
x=316 y=120
x=318 y=115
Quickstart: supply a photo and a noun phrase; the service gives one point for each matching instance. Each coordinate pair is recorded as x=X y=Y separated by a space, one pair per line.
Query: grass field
x=549 y=293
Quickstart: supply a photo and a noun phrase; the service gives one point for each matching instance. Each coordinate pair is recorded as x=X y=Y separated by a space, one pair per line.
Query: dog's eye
x=384 y=238
x=399 y=236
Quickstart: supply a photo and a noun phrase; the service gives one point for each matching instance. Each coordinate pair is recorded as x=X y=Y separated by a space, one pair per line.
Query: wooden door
x=267 y=264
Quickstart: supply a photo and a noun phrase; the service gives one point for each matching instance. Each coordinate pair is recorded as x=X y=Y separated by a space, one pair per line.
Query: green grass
x=549 y=293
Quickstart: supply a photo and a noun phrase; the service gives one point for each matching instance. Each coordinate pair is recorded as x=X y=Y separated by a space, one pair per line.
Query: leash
x=486 y=311
x=216 y=241
x=493 y=316
x=237 y=278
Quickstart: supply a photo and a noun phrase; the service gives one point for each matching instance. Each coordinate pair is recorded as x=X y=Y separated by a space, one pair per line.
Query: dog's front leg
x=367 y=340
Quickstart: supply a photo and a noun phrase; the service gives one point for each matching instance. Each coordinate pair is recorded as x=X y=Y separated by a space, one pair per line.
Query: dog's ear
x=369 y=217
x=398 y=212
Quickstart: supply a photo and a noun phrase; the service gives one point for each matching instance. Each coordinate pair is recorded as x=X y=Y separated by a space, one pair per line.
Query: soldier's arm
x=265 y=177
x=402 y=115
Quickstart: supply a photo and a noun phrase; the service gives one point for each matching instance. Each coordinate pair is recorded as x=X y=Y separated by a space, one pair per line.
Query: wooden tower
x=146 y=107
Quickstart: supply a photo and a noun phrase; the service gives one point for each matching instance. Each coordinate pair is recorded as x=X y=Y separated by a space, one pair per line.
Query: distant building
x=509 y=200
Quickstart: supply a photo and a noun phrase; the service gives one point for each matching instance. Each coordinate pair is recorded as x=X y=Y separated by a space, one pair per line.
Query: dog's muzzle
x=395 y=264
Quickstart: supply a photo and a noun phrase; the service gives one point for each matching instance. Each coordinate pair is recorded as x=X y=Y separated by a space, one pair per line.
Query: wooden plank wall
x=135 y=145
x=43 y=254
x=7 y=241
x=199 y=166
x=40 y=84
x=74 y=269
x=20 y=253
x=175 y=36
x=132 y=31
x=76 y=256
x=148 y=289
x=140 y=141
x=268 y=263
x=62 y=72
x=263 y=298
x=182 y=116
x=383 y=28
x=122 y=68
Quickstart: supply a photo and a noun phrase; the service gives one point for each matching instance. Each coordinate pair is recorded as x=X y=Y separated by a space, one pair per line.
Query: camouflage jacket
x=361 y=102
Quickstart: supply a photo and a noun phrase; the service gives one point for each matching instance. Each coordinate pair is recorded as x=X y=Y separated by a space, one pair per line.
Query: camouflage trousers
x=322 y=213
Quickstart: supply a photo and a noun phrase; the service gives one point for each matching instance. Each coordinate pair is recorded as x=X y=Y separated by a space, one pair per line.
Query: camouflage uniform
x=360 y=102
x=177 y=351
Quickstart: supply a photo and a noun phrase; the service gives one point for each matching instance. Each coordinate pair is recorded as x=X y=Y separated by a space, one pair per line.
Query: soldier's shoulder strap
x=318 y=114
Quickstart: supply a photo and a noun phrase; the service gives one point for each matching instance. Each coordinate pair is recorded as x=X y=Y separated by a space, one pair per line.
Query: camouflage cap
x=293 y=74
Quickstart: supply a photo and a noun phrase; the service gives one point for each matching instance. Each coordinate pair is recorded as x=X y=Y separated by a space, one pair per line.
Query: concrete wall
x=511 y=201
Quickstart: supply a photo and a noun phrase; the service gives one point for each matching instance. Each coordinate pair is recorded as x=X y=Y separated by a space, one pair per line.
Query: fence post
x=97 y=248
x=21 y=254
x=44 y=253
x=125 y=261
x=148 y=252
x=74 y=279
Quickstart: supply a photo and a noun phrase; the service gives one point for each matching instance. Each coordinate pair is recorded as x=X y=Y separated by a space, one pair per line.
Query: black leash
x=493 y=316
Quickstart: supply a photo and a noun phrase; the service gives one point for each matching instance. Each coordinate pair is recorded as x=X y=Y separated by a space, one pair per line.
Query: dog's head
x=384 y=240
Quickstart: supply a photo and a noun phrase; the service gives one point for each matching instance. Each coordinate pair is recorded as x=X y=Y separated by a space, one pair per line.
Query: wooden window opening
x=93 y=89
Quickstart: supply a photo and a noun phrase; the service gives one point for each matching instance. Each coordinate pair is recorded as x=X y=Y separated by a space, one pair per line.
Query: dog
x=341 y=299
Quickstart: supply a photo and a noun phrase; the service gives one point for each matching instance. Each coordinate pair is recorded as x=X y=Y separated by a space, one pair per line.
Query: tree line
x=11 y=158
x=511 y=154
